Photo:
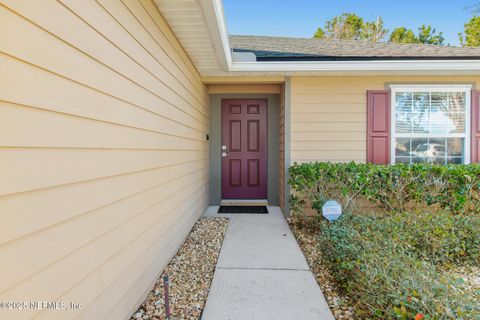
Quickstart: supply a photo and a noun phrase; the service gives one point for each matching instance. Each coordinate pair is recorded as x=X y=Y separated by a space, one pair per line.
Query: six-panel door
x=244 y=149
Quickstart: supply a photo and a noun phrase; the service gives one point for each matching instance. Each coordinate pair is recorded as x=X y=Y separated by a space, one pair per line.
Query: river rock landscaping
x=191 y=273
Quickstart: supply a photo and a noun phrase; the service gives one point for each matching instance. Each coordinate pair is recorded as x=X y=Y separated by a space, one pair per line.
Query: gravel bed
x=191 y=273
x=339 y=304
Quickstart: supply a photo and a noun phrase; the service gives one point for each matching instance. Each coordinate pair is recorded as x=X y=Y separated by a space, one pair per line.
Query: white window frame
x=428 y=88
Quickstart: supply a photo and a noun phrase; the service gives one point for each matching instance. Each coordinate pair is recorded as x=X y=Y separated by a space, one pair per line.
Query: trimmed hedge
x=455 y=188
x=391 y=265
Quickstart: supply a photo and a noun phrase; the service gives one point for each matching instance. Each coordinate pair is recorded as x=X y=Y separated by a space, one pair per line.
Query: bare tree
x=374 y=31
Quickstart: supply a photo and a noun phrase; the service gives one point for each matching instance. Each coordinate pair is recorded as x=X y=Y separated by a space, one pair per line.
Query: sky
x=301 y=18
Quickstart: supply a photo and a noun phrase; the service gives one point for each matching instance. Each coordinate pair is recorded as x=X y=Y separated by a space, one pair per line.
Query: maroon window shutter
x=378 y=126
x=475 y=150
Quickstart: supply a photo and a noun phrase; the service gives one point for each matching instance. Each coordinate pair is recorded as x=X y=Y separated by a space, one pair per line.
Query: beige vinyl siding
x=244 y=80
x=281 y=149
x=328 y=114
x=244 y=88
x=103 y=158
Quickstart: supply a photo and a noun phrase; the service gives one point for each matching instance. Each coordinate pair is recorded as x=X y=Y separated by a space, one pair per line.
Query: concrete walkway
x=262 y=274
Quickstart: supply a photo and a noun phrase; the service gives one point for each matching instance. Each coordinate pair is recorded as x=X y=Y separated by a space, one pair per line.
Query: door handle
x=224 y=151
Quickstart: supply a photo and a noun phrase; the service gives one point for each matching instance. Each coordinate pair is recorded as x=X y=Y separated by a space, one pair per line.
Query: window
x=430 y=124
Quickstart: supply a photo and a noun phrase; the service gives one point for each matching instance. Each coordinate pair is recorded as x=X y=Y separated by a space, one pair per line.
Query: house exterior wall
x=103 y=161
x=329 y=114
x=244 y=88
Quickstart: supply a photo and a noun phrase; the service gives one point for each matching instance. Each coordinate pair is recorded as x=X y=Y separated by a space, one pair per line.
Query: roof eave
x=215 y=20
x=215 y=17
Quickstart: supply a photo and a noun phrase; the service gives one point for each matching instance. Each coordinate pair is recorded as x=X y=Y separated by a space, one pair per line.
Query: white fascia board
x=390 y=65
x=215 y=18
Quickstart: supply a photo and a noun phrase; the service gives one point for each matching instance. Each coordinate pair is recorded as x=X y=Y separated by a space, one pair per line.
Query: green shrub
x=455 y=188
x=386 y=265
x=440 y=238
x=314 y=183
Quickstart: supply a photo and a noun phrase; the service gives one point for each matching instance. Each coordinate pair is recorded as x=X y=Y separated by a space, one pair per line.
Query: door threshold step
x=241 y=202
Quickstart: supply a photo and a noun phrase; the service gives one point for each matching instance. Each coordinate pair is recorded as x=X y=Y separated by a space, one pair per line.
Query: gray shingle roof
x=283 y=48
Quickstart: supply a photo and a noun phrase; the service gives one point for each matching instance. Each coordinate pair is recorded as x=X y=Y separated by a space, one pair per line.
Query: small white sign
x=331 y=210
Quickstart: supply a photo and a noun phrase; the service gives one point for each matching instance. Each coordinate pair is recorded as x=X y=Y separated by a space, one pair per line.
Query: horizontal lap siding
x=328 y=120
x=329 y=115
x=103 y=158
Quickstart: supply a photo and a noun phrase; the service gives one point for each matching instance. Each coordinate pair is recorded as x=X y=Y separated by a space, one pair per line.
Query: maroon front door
x=244 y=149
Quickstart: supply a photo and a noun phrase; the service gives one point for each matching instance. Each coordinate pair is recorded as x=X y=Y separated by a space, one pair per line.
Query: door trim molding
x=287 y=154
